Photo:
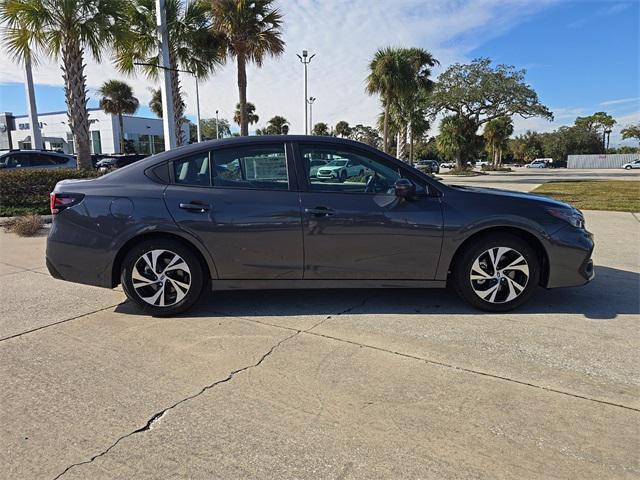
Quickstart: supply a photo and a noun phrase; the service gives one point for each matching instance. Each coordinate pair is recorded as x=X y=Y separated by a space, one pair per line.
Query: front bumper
x=569 y=253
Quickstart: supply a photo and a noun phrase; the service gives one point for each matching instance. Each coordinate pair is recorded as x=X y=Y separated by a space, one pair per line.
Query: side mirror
x=404 y=188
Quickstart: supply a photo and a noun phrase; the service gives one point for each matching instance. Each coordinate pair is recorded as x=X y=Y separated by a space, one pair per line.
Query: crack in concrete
x=634 y=215
x=443 y=364
x=157 y=416
x=61 y=321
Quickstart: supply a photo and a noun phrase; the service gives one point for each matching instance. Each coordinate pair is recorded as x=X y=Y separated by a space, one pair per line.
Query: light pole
x=217 y=126
x=168 y=123
x=310 y=101
x=305 y=60
x=197 y=92
x=36 y=136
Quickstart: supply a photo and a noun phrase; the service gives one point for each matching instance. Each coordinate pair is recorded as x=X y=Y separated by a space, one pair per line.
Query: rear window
x=193 y=170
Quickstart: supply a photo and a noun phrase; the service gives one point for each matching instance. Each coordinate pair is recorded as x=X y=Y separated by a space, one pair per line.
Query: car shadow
x=611 y=293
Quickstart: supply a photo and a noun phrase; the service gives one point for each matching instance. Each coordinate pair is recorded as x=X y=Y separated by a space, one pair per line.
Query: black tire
x=464 y=285
x=195 y=276
x=627 y=168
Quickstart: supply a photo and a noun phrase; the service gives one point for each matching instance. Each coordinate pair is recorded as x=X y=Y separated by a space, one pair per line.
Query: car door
x=358 y=228
x=242 y=204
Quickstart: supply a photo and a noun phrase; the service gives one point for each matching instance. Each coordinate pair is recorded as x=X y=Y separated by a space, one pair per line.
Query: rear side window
x=41 y=160
x=259 y=167
x=193 y=170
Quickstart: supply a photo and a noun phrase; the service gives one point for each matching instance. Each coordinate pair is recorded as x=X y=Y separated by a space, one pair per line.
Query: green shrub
x=27 y=191
x=492 y=168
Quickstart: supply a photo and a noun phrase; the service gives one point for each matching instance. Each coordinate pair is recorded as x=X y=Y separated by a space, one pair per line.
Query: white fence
x=615 y=160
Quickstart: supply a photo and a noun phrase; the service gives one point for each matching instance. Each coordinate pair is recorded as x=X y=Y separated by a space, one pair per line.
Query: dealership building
x=142 y=135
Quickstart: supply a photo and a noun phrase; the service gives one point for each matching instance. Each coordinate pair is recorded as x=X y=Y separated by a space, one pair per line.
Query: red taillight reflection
x=60 y=201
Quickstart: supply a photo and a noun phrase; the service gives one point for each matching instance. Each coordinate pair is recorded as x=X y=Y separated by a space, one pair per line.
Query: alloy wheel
x=499 y=275
x=161 y=278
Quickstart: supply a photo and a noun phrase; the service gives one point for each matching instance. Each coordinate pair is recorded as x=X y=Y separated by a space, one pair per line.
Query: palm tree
x=193 y=45
x=277 y=125
x=155 y=104
x=250 y=115
x=343 y=129
x=250 y=30
x=322 y=129
x=457 y=139
x=386 y=80
x=117 y=99
x=399 y=76
x=496 y=134
x=64 y=29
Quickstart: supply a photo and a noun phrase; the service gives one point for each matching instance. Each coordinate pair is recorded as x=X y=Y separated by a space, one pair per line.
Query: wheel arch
x=208 y=269
x=521 y=233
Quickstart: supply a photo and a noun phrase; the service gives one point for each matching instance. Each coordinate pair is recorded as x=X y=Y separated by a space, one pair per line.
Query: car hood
x=330 y=167
x=512 y=194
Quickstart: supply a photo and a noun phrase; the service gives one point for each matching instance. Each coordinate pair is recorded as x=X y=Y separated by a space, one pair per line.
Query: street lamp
x=305 y=60
x=607 y=133
x=310 y=102
x=217 y=126
x=197 y=91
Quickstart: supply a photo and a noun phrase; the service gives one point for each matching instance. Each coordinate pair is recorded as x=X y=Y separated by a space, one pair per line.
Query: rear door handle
x=320 y=211
x=195 y=207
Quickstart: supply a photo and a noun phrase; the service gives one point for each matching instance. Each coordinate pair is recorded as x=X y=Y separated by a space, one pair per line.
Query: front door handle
x=199 y=207
x=320 y=211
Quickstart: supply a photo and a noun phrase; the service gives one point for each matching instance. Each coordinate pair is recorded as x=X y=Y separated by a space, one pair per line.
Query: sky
x=581 y=56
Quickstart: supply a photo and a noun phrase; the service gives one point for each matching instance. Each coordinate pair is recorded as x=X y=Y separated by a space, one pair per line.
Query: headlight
x=569 y=215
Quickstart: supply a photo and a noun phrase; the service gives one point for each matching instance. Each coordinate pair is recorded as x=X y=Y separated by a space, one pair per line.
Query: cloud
x=612 y=9
x=343 y=34
x=621 y=100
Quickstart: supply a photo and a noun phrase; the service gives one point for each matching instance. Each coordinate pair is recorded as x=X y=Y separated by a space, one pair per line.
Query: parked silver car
x=632 y=164
x=36 y=159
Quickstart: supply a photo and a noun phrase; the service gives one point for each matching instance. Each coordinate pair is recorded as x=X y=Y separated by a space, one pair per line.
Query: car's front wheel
x=628 y=167
x=497 y=273
x=162 y=276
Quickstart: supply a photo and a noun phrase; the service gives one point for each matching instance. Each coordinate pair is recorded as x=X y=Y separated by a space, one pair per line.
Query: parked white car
x=539 y=163
x=340 y=170
x=632 y=164
x=314 y=166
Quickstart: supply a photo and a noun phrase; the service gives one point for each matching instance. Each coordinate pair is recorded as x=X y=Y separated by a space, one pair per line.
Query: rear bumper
x=570 y=263
x=77 y=253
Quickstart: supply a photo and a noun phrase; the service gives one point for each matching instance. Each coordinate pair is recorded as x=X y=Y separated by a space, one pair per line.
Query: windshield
x=337 y=163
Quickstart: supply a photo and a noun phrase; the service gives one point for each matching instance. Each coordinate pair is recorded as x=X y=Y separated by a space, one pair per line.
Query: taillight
x=60 y=201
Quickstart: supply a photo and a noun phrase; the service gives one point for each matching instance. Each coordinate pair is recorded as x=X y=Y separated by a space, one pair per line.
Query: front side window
x=347 y=171
x=193 y=170
x=261 y=167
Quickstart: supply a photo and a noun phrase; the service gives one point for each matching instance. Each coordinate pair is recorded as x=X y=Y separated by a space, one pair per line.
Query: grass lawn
x=615 y=195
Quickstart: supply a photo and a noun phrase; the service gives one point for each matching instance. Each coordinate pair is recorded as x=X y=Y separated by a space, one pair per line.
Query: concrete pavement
x=322 y=384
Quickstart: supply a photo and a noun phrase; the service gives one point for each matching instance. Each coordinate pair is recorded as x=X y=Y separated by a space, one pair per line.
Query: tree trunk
x=385 y=127
x=178 y=104
x=410 y=147
x=75 y=91
x=121 y=124
x=402 y=143
x=242 y=90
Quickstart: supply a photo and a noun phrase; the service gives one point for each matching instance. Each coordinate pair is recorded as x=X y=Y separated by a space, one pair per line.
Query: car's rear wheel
x=162 y=276
x=497 y=273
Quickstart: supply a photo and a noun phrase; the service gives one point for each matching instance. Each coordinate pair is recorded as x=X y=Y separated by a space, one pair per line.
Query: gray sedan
x=246 y=213
x=36 y=159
